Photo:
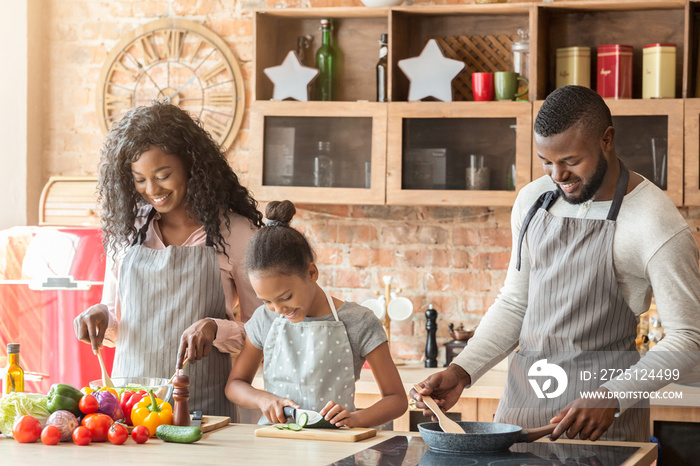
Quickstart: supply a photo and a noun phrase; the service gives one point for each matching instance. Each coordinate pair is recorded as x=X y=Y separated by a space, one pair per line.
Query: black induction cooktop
x=404 y=451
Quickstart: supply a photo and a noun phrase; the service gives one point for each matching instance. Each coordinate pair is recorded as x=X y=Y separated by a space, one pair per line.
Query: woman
x=176 y=223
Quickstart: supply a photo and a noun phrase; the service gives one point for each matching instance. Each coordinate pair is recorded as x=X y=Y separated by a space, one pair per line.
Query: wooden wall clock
x=179 y=60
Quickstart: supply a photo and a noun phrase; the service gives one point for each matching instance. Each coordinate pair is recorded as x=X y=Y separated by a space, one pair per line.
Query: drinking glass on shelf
x=659 y=150
x=478 y=176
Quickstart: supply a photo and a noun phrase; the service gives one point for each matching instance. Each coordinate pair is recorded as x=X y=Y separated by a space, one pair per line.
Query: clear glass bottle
x=323 y=165
x=382 y=69
x=14 y=378
x=326 y=62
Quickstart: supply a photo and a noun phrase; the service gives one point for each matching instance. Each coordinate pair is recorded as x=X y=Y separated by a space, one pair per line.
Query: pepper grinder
x=431 y=349
x=181 y=395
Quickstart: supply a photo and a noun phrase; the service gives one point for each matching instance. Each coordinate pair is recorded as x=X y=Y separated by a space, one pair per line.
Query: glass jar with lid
x=521 y=56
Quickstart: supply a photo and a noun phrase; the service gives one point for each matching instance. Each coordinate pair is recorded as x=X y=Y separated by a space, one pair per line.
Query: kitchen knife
x=315 y=419
x=196 y=419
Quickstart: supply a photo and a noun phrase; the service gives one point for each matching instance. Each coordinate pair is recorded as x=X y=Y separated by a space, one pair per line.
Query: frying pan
x=479 y=436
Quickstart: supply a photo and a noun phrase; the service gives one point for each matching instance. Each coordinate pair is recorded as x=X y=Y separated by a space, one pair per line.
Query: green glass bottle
x=326 y=62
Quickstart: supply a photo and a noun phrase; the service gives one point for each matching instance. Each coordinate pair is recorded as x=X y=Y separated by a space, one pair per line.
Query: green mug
x=506 y=84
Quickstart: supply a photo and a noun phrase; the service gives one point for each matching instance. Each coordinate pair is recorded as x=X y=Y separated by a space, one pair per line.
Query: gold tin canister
x=573 y=66
x=659 y=71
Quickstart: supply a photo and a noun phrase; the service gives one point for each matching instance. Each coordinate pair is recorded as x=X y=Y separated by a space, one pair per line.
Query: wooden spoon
x=447 y=424
x=184 y=364
x=106 y=381
x=162 y=391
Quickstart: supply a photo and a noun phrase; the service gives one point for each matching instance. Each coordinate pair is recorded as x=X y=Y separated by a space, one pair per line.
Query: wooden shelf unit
x=594 y=23
x=412 y=27
x=355 y=33
x=551 y=25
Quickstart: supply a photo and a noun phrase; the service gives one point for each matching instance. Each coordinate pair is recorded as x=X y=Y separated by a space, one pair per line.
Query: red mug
x=482 y=86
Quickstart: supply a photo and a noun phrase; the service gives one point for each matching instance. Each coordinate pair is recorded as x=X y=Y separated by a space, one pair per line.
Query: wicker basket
x=480 y=54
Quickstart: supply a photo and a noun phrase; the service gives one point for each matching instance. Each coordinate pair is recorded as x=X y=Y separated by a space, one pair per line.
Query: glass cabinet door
x=468 y=153
x=322 y=152
x=476 y=154
x=641 y=142
x=648 y=139
x=318 y=152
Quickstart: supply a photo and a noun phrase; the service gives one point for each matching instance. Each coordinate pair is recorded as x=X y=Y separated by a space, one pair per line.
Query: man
x=591 y=241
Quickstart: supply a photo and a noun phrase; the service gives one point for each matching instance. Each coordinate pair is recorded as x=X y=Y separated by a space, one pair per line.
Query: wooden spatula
x=106 y=381
x=447 y=424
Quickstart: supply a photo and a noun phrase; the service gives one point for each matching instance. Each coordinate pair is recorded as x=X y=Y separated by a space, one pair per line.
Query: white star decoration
x=291 y=79
x=430 y=73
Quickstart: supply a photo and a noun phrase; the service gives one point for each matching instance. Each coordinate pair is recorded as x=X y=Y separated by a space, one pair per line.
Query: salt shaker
x=181 y=395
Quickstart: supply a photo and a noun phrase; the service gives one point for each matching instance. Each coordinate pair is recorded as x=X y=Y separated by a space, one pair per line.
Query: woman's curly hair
x=212 y=187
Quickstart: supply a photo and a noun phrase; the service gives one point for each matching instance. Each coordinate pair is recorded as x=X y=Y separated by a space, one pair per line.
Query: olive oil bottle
x=14 y=378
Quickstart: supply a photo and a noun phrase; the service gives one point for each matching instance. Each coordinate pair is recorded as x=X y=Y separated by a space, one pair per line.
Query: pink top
x=230 y=334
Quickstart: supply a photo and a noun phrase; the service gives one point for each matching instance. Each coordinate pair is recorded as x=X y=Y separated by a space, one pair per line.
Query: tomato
x=26 y=429
x=140 y=434
x=99 y=425
x=51 y=435
x=82 y=435
x=88 y=404
x=117 y=433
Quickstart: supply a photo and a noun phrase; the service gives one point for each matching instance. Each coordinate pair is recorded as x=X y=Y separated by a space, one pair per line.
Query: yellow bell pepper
x=151 y=412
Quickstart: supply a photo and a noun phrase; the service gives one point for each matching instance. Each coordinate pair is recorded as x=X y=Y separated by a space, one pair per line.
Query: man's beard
x=590 y=188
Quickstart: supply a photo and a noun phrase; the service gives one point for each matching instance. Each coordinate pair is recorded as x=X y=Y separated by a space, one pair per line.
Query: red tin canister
x=615 y=71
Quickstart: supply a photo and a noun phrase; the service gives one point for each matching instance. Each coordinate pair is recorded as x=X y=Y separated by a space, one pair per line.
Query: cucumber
x=294 y=426
x=179 y=434
x=303 y=419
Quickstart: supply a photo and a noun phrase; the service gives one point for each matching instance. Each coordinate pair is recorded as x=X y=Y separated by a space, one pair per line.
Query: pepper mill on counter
x=181 y=395
x=431 y=349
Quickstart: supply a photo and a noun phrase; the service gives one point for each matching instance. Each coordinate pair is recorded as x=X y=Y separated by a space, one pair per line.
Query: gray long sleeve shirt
x=653 y=250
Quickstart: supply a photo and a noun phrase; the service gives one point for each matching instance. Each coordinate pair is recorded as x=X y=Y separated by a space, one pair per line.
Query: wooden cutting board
x=353 y=434
x=210 y=423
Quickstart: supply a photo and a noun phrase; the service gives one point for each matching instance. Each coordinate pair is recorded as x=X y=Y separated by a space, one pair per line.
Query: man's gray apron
x=576 y=318
x=310 y=362
x=162 y=292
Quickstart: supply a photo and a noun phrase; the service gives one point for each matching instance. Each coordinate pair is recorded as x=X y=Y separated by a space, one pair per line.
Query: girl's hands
x=337 y=415
x=273 y=407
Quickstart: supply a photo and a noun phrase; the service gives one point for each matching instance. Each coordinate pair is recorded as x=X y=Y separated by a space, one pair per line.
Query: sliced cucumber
x=281 y=426
x=294 y=426
x=303 y=419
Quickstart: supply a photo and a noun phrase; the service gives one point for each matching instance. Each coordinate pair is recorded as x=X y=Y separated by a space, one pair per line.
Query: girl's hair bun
x=280 y=213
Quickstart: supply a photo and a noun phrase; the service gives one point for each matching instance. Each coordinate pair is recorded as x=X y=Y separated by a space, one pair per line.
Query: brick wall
x=454 y=258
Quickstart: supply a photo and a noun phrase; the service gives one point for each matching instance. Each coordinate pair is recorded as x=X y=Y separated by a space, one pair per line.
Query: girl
x=313 y=345
x=176 y=223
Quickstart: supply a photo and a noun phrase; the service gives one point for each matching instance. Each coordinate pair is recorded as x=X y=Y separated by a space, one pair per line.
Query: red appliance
x=49 y=275
x=615 y=71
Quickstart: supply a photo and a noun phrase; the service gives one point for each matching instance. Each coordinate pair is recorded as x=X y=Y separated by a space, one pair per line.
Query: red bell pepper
x=129 y=400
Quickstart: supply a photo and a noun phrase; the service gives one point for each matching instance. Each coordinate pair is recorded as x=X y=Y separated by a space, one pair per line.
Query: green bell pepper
x=64 y=396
